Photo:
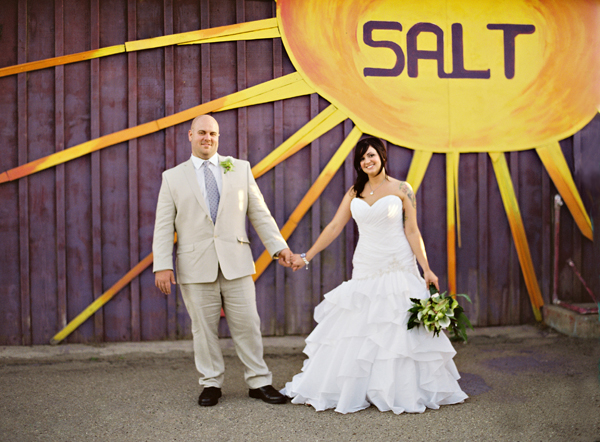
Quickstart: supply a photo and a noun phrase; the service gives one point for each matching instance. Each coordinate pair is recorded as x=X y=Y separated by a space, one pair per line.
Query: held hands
x=285 y=258
x=289 y=259
x=163 y=280
x=297 y=262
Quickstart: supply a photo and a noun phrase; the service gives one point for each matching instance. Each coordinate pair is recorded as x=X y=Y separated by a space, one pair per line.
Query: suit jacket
x=201 y=245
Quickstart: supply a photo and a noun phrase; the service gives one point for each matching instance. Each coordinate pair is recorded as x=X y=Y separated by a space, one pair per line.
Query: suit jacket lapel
x=226 y=181
x=190 y=174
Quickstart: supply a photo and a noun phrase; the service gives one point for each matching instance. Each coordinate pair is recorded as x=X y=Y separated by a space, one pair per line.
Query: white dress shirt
x=215 y=169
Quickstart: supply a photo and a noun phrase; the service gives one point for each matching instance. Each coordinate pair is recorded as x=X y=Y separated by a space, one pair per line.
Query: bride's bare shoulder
x=406 y=191
x=404 y=186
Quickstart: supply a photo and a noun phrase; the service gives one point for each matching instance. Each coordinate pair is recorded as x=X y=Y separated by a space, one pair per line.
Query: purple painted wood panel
x=42 y=214
x=114 y=212
x=499 y=253
x=531 y=204
x=132 y=173
x=96 y=201
x=10 y=313
x=589 y=178
x=151 y=106
x=432 y=213
x=59 y=143
x=467 y=254
x=68 y=234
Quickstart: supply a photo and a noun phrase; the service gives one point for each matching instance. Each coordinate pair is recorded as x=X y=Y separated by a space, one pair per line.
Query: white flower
x=444 y=322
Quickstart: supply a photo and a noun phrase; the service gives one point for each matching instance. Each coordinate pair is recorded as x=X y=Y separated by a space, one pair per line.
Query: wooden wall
x=69 y=233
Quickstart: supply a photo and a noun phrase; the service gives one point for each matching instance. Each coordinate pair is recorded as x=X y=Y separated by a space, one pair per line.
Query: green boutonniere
x=227 y=165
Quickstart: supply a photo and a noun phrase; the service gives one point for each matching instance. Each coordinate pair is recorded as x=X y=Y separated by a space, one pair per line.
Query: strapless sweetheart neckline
x=376 y=201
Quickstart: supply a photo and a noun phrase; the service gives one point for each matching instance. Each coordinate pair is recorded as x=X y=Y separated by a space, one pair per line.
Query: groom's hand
x=285 y=258
x=163 y=280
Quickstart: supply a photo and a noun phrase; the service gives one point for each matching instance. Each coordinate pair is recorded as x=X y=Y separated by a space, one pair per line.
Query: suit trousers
x=203 y=302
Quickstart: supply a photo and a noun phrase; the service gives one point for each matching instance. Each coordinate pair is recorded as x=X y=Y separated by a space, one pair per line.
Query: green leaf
x=463 y=320
x=464 y=296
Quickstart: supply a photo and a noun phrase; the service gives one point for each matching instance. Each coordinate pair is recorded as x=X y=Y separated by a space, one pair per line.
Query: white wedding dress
x=361 y=352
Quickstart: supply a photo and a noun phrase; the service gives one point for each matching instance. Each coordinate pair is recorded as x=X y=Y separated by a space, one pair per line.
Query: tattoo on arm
x=404 y=187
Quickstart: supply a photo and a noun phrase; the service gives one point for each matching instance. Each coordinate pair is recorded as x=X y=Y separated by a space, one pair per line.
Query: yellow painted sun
x=444 y=77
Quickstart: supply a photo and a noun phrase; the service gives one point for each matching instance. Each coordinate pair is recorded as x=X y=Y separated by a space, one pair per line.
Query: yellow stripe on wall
x=518 y=231
x=558 y=169
x=418 y=167
x=451 y=221
x=254 y=30
x=289 y=86
x=322 y=123
x=62 y=60
x=202 y=34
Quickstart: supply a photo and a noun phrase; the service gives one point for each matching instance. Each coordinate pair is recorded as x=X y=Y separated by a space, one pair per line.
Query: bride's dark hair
x=359 y=152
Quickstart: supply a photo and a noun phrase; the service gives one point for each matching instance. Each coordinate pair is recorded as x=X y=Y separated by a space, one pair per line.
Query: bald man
x=206 y=200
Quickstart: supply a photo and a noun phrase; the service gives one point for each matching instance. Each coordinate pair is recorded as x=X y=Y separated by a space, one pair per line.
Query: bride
x=361 y=352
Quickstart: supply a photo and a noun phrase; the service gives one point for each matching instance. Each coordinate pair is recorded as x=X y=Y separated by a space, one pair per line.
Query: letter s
x=368 y=29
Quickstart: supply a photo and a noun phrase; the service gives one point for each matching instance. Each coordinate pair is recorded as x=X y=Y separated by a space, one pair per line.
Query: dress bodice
x=382 y=245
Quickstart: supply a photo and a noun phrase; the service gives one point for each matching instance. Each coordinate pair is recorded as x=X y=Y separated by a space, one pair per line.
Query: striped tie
x=212 y=191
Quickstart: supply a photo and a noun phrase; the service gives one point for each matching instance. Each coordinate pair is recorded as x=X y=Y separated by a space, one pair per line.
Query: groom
x=205 y=200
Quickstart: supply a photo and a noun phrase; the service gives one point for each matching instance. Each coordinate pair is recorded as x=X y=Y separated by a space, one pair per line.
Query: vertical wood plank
x=280 y=218
x=482 y=237
x=420 y=199
x=286 y=317
x=567 y=240
x=433 y=206
x=315 y=213
x=578 y=291
x=531 y=207
x=10 y=313
x=546 y=233
x=279 y=323
x=95 y=170
x=42 y=197
x=500 y=246
x=59 y=108
x=78 y=203
x=280 y=213
x=466 y=254
x=242 y=120
x=350 y=231
x=170 y=141
x=148 y=94
x=134 y=249
x=114 y=166
x=205 y=52
x=23 y=183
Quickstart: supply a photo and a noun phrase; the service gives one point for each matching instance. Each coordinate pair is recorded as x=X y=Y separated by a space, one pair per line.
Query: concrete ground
x=525 y=383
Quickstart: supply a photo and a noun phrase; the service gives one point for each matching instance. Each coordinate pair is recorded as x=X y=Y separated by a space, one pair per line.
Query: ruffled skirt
x=361 y=352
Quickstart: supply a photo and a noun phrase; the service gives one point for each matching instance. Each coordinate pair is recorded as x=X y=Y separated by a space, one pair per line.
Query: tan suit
x=215 y=261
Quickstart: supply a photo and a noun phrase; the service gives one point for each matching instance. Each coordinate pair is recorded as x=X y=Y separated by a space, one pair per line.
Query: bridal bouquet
x=438 y=312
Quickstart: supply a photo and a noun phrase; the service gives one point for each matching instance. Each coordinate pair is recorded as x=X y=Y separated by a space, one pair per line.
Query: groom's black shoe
x=209 y=397
x=268 y=394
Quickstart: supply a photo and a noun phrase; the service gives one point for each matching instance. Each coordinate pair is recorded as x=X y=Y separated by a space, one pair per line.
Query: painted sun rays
x=289 y=86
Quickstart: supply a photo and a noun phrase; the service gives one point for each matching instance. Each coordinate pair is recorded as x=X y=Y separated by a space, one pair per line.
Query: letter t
x=510 y=33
